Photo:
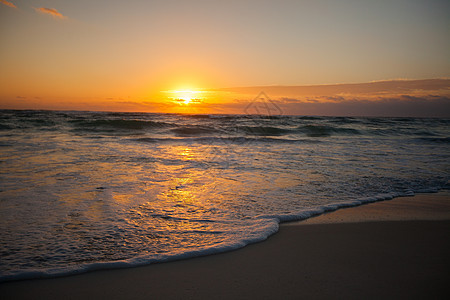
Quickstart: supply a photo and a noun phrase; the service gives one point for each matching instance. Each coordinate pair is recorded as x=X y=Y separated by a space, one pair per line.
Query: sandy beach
x=395 y=249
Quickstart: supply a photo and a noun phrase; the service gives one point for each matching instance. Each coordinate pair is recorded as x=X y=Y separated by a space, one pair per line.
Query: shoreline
x=374 y=250
x=420 y=207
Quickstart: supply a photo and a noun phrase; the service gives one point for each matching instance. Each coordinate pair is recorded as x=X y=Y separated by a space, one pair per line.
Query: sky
x=199 y=56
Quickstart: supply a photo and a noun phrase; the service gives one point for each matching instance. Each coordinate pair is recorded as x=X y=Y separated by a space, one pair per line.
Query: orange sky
x=132 y=56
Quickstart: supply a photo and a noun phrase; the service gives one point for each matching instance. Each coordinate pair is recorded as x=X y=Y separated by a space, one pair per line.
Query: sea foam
x=83 y=191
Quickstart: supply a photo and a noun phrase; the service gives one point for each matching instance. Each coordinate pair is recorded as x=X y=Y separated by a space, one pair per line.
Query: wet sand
x=397 y=249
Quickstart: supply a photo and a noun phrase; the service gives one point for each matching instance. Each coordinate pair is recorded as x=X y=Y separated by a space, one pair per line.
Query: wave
x=262 y=227
x=6 y=126
x=345 y=120
x=312 y=118
x=442 y=140
x=323 y=130
x=221 y=140
x=200 y=125
x=119 y=124
x=199 y=116
x=193 y=130
x=262 y=130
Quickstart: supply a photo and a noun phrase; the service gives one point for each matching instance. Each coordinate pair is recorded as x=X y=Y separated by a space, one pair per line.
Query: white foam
x=264 y=226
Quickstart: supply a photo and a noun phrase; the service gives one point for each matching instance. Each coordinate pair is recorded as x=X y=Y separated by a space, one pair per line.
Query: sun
x=185 y=97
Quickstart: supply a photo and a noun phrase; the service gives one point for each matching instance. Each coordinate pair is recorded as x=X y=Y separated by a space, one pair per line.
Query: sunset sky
x=216 y=56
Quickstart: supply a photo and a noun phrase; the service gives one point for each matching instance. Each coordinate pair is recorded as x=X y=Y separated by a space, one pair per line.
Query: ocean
x=82 y=191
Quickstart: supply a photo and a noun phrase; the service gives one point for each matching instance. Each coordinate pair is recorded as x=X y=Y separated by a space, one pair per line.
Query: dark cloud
x=402 y=106
x=420 y=98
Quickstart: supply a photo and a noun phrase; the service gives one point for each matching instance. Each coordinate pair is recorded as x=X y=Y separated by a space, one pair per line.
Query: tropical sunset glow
x=212 y=57
x=141 y=133
x=185 y=96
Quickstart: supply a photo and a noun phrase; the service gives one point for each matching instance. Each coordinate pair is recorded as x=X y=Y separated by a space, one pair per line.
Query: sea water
x=88 y=190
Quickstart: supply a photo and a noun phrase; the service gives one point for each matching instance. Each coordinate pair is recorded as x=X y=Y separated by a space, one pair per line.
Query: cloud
x=50 y=11
x=386 y=87
x=389 y=98
x=400 y=106
x=8 y=3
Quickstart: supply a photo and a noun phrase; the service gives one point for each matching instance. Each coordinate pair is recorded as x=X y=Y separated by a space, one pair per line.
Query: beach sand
x=397 y=249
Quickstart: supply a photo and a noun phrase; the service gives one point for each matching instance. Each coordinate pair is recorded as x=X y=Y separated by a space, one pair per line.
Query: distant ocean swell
x=82 y=191
x=244 y=125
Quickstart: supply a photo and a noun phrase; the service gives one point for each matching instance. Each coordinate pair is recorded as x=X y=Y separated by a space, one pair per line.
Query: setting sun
x=185 y=97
